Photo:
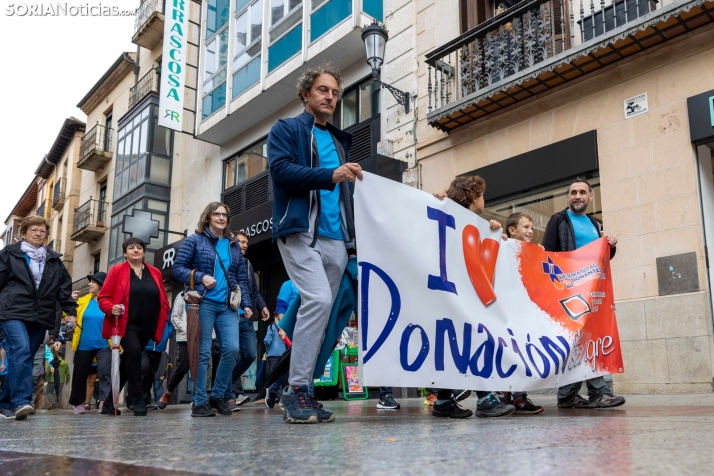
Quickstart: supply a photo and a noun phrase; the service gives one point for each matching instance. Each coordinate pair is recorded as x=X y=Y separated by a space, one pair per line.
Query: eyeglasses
x=36 y=231
x=219 y=215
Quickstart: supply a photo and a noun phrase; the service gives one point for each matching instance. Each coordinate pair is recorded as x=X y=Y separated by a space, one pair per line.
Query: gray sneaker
x=242 y=399
x=6 y=414
x=607 y=400
x=576 y=402
x=22 y=412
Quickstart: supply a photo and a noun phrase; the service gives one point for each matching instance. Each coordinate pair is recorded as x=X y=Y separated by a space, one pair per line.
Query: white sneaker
x=79 y=409
x=22 y=412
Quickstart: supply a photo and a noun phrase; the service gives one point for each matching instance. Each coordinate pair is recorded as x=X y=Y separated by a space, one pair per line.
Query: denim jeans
x=21 y=342
x=247 y=340
x=384 y=391
x=225 y=320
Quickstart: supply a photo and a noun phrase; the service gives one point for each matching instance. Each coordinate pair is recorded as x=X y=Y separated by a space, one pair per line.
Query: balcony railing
x=58 y=195
x=144 y=12
x=538 y=44
x=41 y=210
x=95 y=149
x=149 y=24
x=89 y=221
x=148 y=83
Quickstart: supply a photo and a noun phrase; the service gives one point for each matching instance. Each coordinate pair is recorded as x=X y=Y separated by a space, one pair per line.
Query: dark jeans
x=247 y=353
x=158 y=389
x=596 y=387
x=21 y=342
x=133 y=344
x=83 y=368
x=384 y=391
x=181 y=367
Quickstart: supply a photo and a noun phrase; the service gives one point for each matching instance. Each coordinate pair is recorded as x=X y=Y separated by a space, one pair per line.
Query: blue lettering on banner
x=441 y=283
x=367 y=269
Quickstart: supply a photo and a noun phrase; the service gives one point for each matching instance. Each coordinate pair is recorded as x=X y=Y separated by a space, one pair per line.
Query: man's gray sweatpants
x=316 y=273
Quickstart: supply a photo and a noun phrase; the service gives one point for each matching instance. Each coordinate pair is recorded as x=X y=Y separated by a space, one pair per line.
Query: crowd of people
x=126 y=313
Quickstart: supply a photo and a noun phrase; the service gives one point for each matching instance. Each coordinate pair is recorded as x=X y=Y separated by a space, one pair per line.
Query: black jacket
x=19 y=300
x=255 y=297
x=560 y=235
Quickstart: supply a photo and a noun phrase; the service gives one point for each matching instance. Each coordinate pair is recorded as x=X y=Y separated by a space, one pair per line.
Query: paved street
x=649 y=435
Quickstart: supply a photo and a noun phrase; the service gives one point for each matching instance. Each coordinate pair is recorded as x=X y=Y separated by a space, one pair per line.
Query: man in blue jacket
x=313 y=223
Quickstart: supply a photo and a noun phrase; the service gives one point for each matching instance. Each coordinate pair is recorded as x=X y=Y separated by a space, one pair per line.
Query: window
x=95 y=267
x=541 y=206
x=246 y=165
x=326 y=14
x=102 y=200
x=248 y=43
x=285 y=31
x=215 y=62
x=358 y=104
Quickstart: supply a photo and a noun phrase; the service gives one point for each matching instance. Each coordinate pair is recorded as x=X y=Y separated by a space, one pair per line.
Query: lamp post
x=375 y=42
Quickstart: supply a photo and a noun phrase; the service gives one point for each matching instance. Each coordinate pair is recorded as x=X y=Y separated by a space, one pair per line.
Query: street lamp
x=375 y=42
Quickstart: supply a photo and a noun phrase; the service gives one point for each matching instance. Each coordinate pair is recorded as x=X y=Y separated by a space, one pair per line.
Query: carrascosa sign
x=173 y=64
x=447 y=303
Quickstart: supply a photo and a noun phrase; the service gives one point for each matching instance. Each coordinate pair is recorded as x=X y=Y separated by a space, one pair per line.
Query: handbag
x=234 y=295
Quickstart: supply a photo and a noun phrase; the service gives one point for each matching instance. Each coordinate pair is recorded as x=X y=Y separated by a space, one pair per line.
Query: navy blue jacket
x=197 y=253
x=296 y=175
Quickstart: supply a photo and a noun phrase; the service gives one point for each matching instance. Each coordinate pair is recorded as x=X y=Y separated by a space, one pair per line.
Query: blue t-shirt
x=585 y=231
x=91 y=336
x=288 y=293
x=220 y=290
x=330 y=218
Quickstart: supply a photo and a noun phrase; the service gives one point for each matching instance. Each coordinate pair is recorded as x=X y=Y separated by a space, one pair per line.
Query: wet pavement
x=649 y=435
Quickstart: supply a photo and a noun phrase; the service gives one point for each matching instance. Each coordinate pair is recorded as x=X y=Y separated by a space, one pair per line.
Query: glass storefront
x=541 y=206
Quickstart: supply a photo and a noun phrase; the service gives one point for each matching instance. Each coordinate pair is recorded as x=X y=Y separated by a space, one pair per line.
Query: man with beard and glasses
x=569 y=230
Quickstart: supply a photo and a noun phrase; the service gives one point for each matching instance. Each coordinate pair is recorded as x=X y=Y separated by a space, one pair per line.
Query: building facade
x=533 y=94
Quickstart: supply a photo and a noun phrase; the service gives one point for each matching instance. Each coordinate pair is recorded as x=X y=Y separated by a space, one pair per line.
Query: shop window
x=541 y=206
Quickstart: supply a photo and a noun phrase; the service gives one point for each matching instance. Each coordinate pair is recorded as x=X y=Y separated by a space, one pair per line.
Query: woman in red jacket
x=133 y=300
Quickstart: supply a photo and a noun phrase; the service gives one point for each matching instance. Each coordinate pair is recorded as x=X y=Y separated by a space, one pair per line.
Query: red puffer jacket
x=116 y=291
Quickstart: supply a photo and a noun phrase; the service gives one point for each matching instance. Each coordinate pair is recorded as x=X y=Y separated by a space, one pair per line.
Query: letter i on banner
x=173 y=67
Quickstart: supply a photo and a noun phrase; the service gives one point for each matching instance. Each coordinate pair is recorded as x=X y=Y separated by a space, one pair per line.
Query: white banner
x=445 y=302
x=173 y=64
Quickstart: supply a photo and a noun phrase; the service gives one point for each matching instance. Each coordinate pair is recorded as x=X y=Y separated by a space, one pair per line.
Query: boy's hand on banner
x=440 y=195
x=494 y=225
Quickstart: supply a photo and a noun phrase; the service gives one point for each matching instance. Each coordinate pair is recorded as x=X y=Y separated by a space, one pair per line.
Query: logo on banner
x=575 y=306
x=563 y=280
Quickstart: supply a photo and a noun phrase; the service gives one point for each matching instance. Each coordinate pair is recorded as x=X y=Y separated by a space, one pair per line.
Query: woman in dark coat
x=33 y=281
x=134 y=301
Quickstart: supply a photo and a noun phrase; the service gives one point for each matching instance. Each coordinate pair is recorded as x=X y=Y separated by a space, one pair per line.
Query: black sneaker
x=492 y=406
x=524 y=405
x=387 y=402
x=201 y=411
x=271 y=399
x=460 y=395
x=323 y=416
x=576 y=402
x=152 y=406
x=220 y=406
x=607 y=400
x=22 y=411
x=139 y=408
x=297 y=406
x=450 y=409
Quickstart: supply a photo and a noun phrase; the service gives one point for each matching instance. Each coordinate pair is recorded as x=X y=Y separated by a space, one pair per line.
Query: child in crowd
x=56 y=375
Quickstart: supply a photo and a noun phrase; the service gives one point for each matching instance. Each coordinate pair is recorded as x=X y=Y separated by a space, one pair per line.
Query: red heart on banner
x=480 y=258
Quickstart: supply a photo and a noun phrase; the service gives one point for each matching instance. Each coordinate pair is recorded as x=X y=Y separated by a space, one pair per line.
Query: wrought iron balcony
x=58 y=195
x=89 y=221
x=41 y=210
x=149 y=24
x=148 y=83
x=537 y=45
x=95 y=150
